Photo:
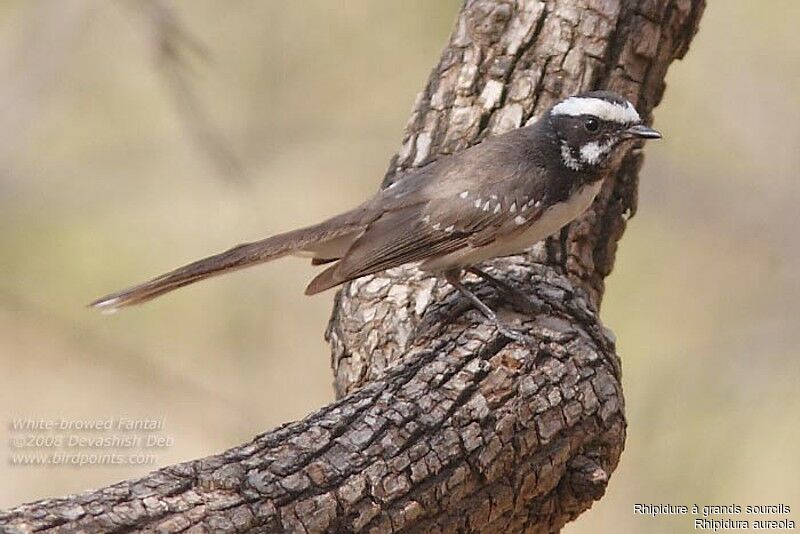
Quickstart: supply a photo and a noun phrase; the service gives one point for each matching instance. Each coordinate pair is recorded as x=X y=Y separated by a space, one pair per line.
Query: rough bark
x=442 y=424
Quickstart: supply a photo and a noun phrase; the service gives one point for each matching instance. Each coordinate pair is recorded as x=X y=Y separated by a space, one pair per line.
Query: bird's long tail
x=310 y=240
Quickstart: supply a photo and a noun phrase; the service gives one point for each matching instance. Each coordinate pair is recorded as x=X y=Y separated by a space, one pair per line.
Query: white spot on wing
x=464 y=194
x=486 y=206
x=602 y=109
x=478 y=202
x=496 y=208
x=449 y=228
x=549 y=222
x=513 y=208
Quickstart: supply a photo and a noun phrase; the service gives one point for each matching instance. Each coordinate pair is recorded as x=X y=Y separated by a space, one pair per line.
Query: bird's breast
x=551 y=220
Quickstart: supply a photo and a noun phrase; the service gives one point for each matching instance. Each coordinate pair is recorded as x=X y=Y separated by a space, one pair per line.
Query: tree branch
x=442 y=425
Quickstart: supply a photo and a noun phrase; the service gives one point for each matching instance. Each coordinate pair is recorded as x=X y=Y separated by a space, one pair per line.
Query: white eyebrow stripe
x=602 y=109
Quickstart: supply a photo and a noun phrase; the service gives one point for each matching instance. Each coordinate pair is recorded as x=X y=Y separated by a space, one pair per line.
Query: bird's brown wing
x=394 y=239
x=386 y=231
x=436 y=228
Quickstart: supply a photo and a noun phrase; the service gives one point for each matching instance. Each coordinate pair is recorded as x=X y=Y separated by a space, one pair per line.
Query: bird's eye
x=592 y=124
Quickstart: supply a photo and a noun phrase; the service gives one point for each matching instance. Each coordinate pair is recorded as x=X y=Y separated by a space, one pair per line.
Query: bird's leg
x=507 y=289
x=454 y=279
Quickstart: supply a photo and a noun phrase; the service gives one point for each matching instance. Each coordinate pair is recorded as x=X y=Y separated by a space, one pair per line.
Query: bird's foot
x=509 y=333
x=511 y=293
x=514 y=335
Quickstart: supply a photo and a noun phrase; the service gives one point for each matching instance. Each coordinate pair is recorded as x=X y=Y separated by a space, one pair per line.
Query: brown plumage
x=384 y=232
x=236 y=258
x=493 y=199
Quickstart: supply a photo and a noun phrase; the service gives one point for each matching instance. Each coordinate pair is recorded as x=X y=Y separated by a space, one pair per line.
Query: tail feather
x=324 y=280
x=234 y=259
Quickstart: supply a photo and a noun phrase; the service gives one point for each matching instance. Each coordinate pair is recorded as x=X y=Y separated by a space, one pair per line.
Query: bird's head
x=593 y=129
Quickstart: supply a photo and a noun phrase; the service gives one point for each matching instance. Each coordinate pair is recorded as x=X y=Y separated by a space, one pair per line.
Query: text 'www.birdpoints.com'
x=67 y=442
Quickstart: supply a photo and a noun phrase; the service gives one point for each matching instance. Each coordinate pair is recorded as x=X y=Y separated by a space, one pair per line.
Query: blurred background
x=135 y=136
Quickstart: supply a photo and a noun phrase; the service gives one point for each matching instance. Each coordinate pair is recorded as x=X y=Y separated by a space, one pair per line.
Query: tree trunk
x=441 y=423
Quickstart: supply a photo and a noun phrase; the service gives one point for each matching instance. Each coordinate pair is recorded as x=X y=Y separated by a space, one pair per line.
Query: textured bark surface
x=442 y=425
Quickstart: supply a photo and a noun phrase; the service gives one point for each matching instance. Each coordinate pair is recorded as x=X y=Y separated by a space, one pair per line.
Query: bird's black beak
x=641 y=131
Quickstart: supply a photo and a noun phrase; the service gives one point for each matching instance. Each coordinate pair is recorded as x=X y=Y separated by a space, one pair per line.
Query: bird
x=496 y=198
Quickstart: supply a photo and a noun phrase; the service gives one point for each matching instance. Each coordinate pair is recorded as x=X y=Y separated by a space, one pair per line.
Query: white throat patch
x=592 y=152
x=568 y=159
x=602 y=109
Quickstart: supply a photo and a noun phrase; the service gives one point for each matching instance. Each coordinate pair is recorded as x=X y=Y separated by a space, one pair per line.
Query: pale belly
x=549 y=223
